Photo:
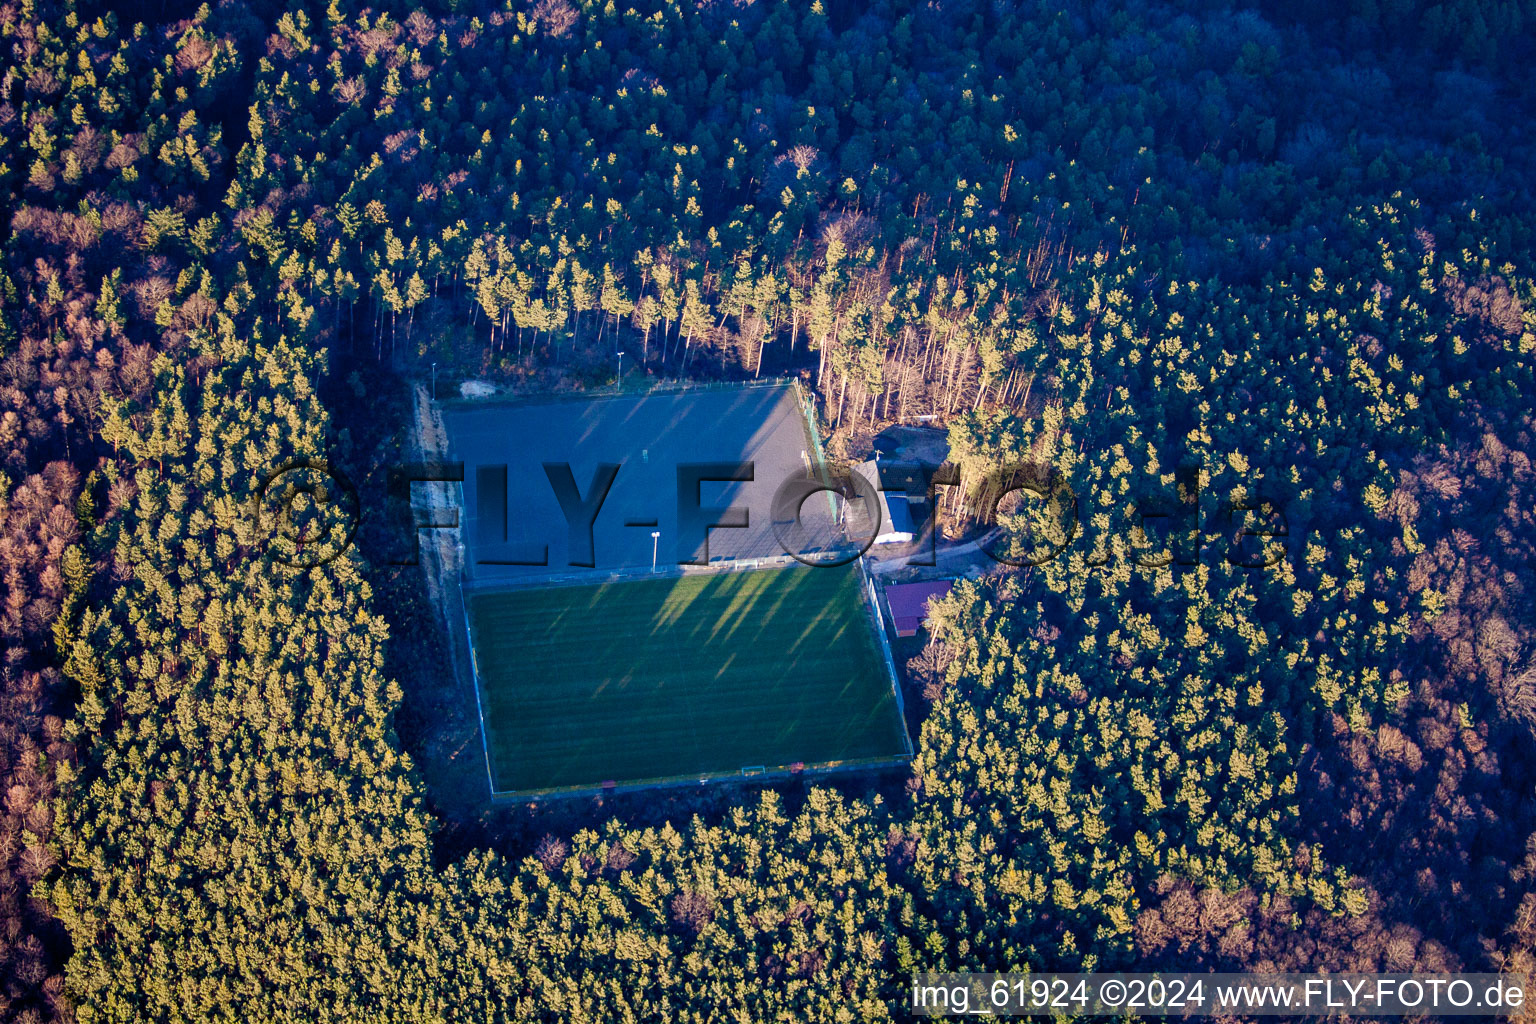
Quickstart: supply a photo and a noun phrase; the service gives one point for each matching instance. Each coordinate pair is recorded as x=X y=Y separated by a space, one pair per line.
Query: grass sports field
x=686 y=676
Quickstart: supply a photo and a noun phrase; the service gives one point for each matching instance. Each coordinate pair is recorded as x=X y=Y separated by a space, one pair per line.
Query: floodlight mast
x=655 y=539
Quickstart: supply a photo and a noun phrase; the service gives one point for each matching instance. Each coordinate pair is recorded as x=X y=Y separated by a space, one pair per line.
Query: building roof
x=893 y=484
x=897 y=476
x=909 y=602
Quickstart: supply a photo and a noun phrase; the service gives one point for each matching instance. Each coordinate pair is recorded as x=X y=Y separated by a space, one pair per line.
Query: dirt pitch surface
x=648 y=437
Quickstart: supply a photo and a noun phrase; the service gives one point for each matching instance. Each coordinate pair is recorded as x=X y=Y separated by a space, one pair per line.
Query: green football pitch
x=645 y=680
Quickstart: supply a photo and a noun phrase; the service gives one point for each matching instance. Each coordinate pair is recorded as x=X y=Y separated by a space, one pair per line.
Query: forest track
x=430 y=502
x=441 y=553
x=949 y=556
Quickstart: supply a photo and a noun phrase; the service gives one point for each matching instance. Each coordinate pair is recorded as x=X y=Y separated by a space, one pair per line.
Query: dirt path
x=954 y=557
x=431 y=502
x=458 y=746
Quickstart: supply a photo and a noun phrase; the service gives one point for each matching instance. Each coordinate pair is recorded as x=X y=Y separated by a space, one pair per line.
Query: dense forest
x=1261 y=263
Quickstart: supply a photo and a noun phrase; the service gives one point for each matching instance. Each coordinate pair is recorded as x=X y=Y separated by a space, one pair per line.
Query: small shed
x=909 y=603
x=893 y=484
